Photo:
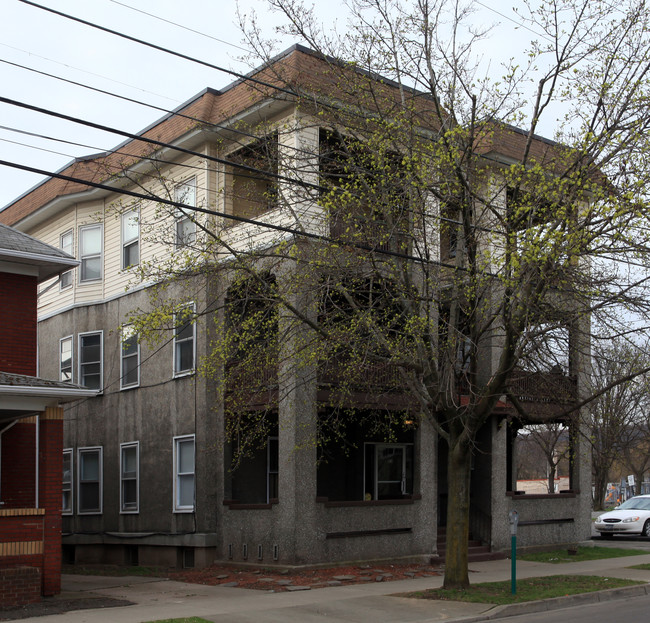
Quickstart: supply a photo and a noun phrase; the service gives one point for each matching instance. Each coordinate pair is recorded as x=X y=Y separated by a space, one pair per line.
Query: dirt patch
x=59 y=605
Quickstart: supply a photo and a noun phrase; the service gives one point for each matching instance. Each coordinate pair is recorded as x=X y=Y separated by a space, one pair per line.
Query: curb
x=557 y=603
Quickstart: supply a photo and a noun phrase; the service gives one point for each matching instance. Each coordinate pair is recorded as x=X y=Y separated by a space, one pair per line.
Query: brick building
x=31 y=427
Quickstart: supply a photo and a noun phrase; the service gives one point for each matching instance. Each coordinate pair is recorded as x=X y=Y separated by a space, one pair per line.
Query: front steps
x=477 y=551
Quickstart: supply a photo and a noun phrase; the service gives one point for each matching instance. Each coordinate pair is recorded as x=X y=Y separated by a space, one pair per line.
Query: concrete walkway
x=156 y=599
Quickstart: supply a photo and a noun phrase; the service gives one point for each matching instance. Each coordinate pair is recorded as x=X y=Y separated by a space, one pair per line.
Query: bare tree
x=617 y=415
x=432 y=242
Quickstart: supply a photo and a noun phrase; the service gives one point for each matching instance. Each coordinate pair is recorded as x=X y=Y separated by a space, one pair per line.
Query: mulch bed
x=274 y=580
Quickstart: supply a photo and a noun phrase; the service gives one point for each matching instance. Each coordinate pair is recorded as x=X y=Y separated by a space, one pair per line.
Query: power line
x=167 y=21
x=90 y=73
x=146 y=104
x=161 y=48
x=241 y=219
x=155 y=142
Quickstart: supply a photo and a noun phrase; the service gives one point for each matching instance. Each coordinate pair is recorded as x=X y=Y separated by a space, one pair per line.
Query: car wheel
x=646 y=528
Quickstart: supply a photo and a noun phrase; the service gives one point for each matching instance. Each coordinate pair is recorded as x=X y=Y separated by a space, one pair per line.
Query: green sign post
x=514 y=520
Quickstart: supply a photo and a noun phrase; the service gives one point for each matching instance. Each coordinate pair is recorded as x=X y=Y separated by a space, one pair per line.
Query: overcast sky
x=52 y=44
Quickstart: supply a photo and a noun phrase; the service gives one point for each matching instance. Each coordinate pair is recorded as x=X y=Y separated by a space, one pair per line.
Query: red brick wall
x=51 y=466
x=19 y=465
x=18 y=323
x=19 y=586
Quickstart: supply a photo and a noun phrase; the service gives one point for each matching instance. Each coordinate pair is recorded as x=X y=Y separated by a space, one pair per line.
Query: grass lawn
x=529 y=589
x=584 y=553
x=183 y=620
x=645 y=566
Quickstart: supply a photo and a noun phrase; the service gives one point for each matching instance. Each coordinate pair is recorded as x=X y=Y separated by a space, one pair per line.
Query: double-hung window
x=130 y=359
x=89 y=481
x=65 y=359
x=184 y=474
x=185 y=193
x=66 y=243
x=90 y=359
x=184 y=334
x=90 y=252
x=130 y=238
x=66 y=482
x=129 y=477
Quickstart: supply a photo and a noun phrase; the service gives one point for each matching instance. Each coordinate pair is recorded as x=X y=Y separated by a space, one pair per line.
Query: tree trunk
x=600 y=489
x=458 y=475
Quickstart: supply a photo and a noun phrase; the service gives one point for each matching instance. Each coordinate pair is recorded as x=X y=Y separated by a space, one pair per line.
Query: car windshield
x=641 y=504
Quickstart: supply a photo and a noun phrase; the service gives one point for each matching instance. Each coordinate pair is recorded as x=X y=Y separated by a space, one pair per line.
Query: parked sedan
x=631 y=517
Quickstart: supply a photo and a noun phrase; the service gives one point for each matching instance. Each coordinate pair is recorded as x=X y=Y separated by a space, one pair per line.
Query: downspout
x=37 y=470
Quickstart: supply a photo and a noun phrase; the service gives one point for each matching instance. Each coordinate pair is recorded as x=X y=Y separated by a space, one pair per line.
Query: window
x=66 y=243
x=65 y=359
x=90 y=360
x=130 y=238
x=89 y=494
x=185 y=193
x=272 y=469
x=129 y=477
x=389 y=471
x=90 y=252
x=184 y=328
x=184 y=474
x=66 y=481
x=130 y=376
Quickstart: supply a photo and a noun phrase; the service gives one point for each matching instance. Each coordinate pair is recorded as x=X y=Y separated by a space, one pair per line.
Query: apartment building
x=152 y=472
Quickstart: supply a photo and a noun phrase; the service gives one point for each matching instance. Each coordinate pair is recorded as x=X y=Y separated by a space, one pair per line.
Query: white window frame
x=123 y=478
x=99 y=450
x=65 y=280
x=178 y=475
x=126 y=334
x=181 y=216
x=178 y=342
x=375 y=467
x=70 y=485
x=67 y=338
x=81 y=363
x=127 y=243
x=89 y=256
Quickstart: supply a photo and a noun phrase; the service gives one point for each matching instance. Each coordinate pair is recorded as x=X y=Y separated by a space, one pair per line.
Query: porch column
x=50 y=464
x=297 y=416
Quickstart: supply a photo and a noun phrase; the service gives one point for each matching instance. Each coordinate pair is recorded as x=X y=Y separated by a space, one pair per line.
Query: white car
x=631 y=517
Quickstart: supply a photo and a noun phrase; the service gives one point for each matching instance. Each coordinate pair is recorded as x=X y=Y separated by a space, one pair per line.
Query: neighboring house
x=148 y=473
x=31 y=427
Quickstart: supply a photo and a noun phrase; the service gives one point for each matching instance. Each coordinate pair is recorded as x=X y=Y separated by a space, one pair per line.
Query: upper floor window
x=90 y=481
x=130 y=238
x=90 y=252
x=66 y=243
x=90 y=360
x=66 y=482
x=185 y=193
x=254 y=169
x=184 y=333
x=130 y=358
x=65 y=359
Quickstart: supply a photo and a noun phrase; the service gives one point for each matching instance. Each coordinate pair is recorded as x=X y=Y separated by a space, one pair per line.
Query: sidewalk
x=155 y=599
